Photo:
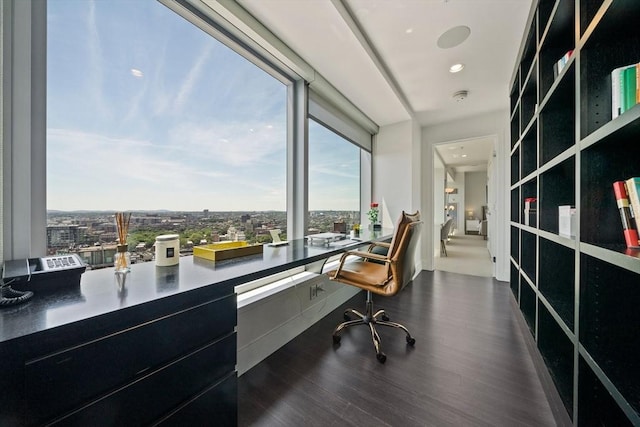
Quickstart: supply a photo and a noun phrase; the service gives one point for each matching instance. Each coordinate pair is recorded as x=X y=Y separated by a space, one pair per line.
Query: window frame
x=24 y=79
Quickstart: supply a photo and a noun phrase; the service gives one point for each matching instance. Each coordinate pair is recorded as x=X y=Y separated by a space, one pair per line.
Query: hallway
x=466 y=254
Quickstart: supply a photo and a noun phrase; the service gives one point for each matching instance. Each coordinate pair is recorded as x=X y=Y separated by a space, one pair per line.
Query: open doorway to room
x=464 y=180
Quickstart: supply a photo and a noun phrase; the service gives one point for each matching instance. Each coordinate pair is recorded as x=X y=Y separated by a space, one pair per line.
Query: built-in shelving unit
x=580 y=296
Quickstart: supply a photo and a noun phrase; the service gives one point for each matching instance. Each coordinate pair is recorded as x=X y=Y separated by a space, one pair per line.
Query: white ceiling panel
x=315 y=30
x=383 y=54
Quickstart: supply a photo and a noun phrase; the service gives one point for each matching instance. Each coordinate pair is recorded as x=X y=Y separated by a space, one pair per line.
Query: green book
x=629 y=88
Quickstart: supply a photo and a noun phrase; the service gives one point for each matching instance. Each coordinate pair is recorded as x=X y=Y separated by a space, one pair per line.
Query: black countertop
x=99 y=292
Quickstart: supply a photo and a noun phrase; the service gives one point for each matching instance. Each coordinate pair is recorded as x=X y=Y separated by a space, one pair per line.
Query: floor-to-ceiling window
x=167 y=110
x=147 y=113
x=334 y=181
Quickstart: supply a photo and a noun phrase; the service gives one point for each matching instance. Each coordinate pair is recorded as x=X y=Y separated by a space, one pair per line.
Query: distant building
x=65 y=236
x=98 y=256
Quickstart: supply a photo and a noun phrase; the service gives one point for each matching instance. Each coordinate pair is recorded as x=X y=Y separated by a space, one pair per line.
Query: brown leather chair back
x=403 y=260
x=402 y=222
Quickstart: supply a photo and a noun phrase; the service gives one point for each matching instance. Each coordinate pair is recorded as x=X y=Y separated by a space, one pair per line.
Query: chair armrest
x=366 y=255
x=381 y=244
x=360 y=254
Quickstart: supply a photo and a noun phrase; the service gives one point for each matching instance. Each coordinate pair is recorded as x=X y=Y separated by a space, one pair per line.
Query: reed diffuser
x=122 y=259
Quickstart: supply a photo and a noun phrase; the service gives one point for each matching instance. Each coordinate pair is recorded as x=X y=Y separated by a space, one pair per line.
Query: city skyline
x=145 y=111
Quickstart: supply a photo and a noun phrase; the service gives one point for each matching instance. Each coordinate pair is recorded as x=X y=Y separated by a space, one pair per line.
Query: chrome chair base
x=370 y=319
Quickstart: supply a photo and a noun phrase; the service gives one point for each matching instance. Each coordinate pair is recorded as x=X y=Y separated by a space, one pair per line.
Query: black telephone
x=46 y=274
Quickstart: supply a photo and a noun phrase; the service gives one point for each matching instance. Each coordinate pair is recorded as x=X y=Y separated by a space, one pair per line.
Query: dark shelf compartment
x=609 y=315
x=529 y=190
x=556 y=279
x=529 y=99
x=528 y=53
x=528 y=304
x=614 y=43
x=557 y=188
x=515 y=204
x=515 y=244
x=596 y=407
x=529 y=151
x=557 y=350
x=614 y=158
x=528 y=254
x=514 y=281
x=515 y=166
x=515 y=127
x=514 y=96
x=559 y=39
x=544 y=12
x=557 y=119
x=588 y=9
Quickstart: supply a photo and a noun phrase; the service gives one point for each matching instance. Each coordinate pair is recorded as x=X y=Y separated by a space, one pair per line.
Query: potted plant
x=374 y=216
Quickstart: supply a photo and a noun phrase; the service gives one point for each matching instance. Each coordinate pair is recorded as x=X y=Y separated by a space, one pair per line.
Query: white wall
x=475 y=193
x=492 y=123
x=439 y=216
x=398 y=177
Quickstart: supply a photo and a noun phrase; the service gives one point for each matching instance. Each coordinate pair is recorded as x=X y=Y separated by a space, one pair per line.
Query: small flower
x=373 y=213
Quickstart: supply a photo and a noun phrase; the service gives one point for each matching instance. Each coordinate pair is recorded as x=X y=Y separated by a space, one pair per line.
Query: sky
x=146 y=111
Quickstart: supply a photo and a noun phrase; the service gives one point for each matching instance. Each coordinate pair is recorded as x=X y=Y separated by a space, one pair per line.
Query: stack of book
x=628 y=199
x=530 y=210
x=558 y=66
x=625 y=89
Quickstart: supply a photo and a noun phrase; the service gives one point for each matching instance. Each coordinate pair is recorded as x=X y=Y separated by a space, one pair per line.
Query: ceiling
x=383 y=55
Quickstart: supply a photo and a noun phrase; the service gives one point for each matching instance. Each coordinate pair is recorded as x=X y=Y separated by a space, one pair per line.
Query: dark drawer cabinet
x=67 y=378
x=211 y=407
x=148 y=398
x=156 y=362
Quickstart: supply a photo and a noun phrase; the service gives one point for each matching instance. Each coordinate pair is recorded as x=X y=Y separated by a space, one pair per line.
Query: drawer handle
x=65 y=360
x=141 y=371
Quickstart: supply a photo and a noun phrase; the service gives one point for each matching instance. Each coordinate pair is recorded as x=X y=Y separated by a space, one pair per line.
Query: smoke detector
x=460 y=95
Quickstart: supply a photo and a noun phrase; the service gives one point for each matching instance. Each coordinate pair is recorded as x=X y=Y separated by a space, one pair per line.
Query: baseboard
x=548 y=386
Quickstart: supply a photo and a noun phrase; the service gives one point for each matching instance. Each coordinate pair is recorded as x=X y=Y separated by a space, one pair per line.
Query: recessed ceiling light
x=136 y=73
x=456 y=68
x=464 y=155
x=409 y=30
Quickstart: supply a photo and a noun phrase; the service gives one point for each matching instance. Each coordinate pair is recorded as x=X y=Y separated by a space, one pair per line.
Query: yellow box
x=226 y=250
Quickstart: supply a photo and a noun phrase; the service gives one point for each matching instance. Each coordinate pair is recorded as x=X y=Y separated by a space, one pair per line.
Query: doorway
x=462 y=177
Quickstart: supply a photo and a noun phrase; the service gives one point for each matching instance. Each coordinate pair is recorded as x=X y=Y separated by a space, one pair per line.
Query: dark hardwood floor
x=469 y=367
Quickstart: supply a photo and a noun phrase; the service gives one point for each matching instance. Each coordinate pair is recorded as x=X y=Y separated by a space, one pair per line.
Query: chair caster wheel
x=336 y=339
x=346 y=317
x=411 y=341
x=385 y=317
x=381 y=357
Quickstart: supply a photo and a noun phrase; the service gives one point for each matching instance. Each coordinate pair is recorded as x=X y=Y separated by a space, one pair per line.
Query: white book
x=617 y=84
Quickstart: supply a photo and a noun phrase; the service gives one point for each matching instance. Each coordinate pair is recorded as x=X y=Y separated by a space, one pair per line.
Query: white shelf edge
x=568 y=332
x=571 y=151
x=556 y=238
x=611 y=127
x=623 y=261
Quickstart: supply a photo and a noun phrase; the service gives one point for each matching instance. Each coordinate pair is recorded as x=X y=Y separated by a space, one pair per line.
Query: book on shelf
x=530 y=211
x=628 y=221
x=625 y=88
x=560 y=64
x=632 y=185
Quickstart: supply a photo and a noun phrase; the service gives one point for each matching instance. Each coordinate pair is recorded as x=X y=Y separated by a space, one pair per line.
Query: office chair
x=444 y=235
x=379 y=274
